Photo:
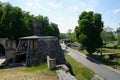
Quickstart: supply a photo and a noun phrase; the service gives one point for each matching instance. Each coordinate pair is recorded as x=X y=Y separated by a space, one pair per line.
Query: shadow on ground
x=90 y=58
x=102 y=60
x=65 y=51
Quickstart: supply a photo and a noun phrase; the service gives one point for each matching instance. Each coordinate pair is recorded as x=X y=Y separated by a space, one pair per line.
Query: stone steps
x=64 y=75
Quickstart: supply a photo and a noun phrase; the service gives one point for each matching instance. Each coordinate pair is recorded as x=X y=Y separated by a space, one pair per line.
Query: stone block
x=51 y=62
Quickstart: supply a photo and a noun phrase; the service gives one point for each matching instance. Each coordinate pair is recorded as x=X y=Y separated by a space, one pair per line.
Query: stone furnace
x=33 y=50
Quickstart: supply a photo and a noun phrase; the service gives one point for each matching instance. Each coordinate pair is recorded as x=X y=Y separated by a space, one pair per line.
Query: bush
x=69 y=44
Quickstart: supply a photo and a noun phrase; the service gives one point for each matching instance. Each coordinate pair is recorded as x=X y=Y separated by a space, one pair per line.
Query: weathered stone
x=7 y=48
x=41 y=46
x=46 y=47
x=38 y=27
x=51 y=62
x=65 y=76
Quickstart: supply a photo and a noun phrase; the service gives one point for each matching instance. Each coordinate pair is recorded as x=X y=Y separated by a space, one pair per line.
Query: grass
x=80 y=71
x=110 y=50
x=35 y=68
x=110 y=45
x=84 y=52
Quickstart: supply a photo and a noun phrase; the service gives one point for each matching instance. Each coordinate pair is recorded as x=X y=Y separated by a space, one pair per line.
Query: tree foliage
x=118 y=37
x=118 y=30
x=107 y=35
x=14 y=23
x=49 y=29
x=88 y=30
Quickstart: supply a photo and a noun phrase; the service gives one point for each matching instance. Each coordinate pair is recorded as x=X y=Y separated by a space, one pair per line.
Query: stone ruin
x=38 y=28
x=38 y=48
x=33 y=50
x=7 y=47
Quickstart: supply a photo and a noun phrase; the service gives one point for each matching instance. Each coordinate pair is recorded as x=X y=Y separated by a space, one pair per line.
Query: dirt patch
x=20 y=74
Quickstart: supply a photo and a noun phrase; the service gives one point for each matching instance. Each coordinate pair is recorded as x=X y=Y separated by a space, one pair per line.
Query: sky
x=65 y=13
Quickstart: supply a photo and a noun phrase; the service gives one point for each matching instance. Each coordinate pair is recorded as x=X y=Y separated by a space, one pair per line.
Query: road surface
x=103 y=71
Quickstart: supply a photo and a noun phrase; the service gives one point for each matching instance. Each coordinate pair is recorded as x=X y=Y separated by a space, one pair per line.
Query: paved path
x=103 y=71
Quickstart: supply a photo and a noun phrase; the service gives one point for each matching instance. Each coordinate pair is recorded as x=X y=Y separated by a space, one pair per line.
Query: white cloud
x=116 y=11
x=55 y=4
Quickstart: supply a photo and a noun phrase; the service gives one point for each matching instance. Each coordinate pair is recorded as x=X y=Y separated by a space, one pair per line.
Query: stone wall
x=46 y=47
x=9 y=47
x=8 y=44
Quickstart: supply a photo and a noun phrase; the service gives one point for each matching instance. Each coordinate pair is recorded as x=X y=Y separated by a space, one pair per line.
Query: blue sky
x=65 y=12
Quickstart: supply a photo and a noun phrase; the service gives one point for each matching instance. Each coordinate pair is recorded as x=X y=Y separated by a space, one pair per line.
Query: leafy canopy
x=15 y=23
x=88 y=30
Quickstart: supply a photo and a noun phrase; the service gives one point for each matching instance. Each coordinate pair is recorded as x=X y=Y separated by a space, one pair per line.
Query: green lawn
x=81 y=72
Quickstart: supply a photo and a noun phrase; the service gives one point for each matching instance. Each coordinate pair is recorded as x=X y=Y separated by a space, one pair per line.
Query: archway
x=2 y=50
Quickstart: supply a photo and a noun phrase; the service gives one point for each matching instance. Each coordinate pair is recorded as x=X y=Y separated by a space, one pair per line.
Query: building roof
x=39 y=37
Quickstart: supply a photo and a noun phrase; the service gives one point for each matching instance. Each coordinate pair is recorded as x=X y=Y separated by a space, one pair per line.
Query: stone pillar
x=51 y=62
x=38 y=27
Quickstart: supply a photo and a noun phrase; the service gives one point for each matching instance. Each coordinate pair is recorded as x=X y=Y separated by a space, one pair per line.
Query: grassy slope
x=81 y=72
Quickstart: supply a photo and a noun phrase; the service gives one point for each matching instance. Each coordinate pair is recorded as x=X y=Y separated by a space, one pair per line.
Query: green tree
x=62 y=35
x=14 y=23
x=107 y=35
x=88 y=30
x=46 y=25
x=69 y=34
x=17 y=24
x=118 y=30
x=118 y=37
x=28 y=23
x=54 y=29
x=48 y=29
x=5 y=28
